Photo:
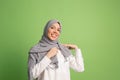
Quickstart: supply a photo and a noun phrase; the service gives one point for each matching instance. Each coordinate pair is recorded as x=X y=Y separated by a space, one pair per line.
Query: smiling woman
x=50 y=60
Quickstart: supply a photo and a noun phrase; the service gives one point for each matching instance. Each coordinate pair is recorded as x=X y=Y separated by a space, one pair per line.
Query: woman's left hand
x=70 y=46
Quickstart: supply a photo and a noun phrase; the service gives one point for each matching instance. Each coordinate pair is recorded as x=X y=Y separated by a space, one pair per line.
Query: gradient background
x=94 y=25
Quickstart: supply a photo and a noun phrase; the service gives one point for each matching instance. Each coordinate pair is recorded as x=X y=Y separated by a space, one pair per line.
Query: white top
x=46 y=71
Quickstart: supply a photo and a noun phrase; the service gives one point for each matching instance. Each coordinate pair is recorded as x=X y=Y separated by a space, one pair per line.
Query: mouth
x=54 y=35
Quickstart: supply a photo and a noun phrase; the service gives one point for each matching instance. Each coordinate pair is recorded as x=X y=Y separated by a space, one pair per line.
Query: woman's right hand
x=52 y=52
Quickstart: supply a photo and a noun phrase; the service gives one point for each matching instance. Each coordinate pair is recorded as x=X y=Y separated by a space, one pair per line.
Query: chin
x=53 y=39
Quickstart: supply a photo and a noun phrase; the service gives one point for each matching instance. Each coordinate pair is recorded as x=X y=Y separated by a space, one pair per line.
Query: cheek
x=58 y=33
x=48 y=34
x=49 y=31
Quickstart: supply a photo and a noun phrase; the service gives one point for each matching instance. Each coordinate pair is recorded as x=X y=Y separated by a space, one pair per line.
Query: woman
x=50 y=60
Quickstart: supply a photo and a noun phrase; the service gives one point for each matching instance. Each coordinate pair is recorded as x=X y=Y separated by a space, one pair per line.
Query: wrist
x=48 y=55
x=76 y=47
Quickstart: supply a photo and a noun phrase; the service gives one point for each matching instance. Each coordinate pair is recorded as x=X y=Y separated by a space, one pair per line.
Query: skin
x=53 y=34
x=54 y=31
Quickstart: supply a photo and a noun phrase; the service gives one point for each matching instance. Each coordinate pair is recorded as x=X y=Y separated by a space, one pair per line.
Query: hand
x=71 y=46
x=52 y=52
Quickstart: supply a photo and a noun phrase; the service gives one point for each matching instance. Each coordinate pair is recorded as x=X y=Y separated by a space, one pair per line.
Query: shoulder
x=35 y=48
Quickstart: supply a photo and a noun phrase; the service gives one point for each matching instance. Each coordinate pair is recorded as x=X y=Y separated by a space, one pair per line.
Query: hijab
x=45 y=44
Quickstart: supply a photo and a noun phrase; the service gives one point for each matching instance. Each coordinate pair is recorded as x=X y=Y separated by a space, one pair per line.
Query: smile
x=54 y=35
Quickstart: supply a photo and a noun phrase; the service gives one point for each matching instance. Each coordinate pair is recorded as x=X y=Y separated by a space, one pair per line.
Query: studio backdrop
x=93 y=25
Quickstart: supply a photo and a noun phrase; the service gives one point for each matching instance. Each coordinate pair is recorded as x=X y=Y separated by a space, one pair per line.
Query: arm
x=76 y=62
x=34 y=68
x=41 y=66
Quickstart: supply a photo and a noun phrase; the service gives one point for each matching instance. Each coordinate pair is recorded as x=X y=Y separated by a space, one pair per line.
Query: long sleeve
x=39 y=67
x=31 y=63
x=35 y=67
x=76 y=62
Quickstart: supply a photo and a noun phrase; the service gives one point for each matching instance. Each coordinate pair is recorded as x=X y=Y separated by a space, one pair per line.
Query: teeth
x=53 y=35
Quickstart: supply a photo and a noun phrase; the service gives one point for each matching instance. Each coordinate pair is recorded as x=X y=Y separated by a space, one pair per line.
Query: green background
x=93 y=25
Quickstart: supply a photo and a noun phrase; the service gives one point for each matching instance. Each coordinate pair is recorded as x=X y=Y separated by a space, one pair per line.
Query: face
x=54 y=31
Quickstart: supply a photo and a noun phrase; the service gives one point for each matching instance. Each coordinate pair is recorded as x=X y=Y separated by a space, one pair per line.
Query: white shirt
x=46 y=71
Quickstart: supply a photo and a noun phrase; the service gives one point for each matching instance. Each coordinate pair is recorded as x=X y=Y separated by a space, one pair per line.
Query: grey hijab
x=38 y=51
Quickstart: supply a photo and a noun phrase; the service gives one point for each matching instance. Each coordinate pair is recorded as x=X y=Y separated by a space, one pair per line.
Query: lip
x=54 y=35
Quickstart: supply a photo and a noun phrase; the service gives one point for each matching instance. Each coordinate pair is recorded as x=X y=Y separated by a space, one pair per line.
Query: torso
x=60 y=73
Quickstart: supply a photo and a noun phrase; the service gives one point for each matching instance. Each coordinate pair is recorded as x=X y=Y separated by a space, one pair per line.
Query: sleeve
x=35 y=69
x=76 y=62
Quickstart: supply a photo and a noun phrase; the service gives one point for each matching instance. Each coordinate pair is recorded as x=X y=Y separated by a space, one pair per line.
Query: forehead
x=55 y=25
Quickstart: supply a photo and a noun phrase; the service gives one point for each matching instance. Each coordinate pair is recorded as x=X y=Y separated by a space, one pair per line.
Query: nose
x=55 y=31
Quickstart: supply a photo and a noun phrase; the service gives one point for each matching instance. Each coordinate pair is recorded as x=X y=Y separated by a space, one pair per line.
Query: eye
x=58 y=30
x=52 y=27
